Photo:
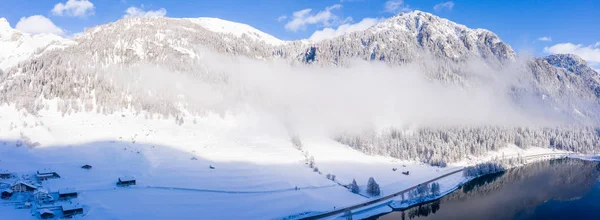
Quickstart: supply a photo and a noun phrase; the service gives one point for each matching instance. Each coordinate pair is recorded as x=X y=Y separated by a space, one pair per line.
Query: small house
x=7 y=193
x=21 y=186
x=45 y=213
x=126 y=181
x=71 y=209
x=87 y=167
x=46 y=174
x=42 y=196
x=406 y=173
x=67 y=193
x=4 y=174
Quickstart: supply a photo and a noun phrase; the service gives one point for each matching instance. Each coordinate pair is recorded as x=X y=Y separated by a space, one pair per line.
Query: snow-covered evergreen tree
x=373 y=187
x=354 y=187
x=435 y=189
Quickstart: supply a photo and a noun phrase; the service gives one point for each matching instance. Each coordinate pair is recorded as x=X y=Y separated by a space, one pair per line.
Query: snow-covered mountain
x=444 y=51
x=16 y=46
x=408 y=37
x=237 y=29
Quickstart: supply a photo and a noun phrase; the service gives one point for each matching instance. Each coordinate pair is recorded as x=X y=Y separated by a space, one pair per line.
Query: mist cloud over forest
x=360 y=95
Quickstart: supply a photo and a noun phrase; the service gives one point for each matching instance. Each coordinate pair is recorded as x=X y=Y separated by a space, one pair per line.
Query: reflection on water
x=556 y=189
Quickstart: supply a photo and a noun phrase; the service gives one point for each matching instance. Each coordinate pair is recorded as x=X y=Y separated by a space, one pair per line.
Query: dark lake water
x=556 y=189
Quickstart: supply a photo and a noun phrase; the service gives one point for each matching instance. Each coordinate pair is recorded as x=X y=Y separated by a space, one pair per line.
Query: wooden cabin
x=71 y=209
x=23 y=187
x=7 y=193
x=46 y=174
x=67 y=193
x=45 y=213
x=126 y=181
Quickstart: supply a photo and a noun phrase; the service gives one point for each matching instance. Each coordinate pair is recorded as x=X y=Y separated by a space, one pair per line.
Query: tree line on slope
x=439 y=146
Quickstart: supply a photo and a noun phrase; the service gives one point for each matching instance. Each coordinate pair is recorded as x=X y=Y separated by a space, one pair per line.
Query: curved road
x=328 y=214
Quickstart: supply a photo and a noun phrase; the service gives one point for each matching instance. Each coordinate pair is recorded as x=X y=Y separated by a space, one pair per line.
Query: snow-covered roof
x=43 y=211
x=46 y=171
x=24 y=183
x=41 y=190
x=67 y=191
x=126 y=178
x=7 y=190
x=45 y=175
x=66 y=207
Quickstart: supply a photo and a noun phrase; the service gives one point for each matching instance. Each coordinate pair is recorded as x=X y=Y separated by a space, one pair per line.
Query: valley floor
x=255 y=176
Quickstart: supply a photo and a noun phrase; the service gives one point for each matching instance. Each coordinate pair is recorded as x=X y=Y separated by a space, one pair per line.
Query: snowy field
x=256 y=170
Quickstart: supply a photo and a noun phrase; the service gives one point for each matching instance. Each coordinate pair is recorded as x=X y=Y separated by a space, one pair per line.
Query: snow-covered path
x=210 y=190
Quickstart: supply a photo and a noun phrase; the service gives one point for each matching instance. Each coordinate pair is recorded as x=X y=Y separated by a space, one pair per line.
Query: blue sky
x=534 y=26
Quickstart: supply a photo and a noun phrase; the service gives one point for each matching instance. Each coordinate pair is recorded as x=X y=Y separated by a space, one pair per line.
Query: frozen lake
x=557 y=189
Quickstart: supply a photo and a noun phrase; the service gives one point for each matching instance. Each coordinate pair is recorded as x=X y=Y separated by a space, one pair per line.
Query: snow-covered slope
x=16 y=46
x=253 y=166
x=237 y=29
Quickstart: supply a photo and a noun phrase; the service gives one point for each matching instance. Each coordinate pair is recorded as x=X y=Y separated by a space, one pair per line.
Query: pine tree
x=435 y=189
x=354 y=187
x=373 y=187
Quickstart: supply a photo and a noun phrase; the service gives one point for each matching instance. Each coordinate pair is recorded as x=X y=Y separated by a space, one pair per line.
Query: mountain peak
x=238 y=29
x=570 y=62
x=564 y=59
x=4 y=25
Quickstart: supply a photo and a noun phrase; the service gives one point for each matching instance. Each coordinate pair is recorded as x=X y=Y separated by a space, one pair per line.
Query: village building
x=21 y=186
x=42 y=196
x=126 y=181
x=87 y=167
x=46 y=174
x=71 y=209
x=4 y=174
x=45 y=213
x=7 y=193
x=67 y=193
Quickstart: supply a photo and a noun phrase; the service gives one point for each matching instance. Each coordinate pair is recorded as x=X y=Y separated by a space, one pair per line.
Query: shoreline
x=374 y=209
x=405 y=205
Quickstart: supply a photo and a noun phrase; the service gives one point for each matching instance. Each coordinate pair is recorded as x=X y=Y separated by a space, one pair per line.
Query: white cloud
x=139 y=12
x=548 y=39
x=302 y=18
x=328 y=33
x=589 y=53
x=597 y=44
x=74 y=8
x=281 y=18
x=444 y=5
x=38 y=24
x=396 y=6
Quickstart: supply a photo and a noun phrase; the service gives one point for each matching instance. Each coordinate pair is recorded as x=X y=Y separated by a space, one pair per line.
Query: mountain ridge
x=18 y=46
x=444 y=49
